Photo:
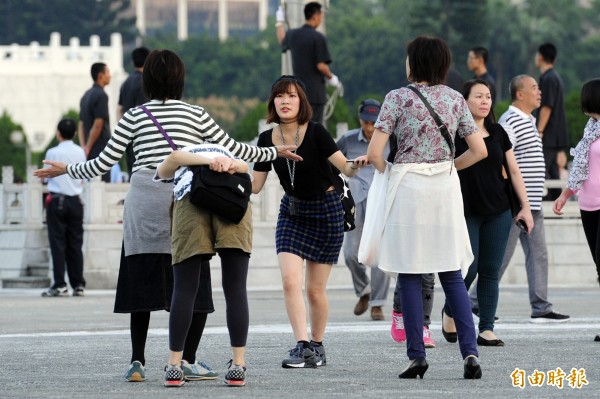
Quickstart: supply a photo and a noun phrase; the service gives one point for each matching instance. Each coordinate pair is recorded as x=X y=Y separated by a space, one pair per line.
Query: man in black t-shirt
x=94 y=129
x=551 y=120
x=477 y=63
x=310 y=56
x=132 y=94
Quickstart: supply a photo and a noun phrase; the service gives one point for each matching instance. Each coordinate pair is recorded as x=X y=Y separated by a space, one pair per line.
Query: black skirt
x=145 y=284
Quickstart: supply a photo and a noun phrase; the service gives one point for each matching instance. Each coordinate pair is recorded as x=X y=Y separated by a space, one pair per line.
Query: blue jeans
x=488 y=236
x=458 y=300
x=379 y=284
x=536 y=263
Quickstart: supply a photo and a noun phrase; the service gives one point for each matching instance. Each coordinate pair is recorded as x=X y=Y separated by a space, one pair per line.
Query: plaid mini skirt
x=315 y=232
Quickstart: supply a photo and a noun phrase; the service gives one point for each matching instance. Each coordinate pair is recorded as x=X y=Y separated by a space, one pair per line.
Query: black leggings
x=591 y=228
x=186 y=279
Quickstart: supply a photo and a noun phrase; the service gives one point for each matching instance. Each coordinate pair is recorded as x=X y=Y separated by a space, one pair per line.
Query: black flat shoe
x=450 y=336
x=489 y=342
x=597 y=339
x=415 y=368
x=472 y=368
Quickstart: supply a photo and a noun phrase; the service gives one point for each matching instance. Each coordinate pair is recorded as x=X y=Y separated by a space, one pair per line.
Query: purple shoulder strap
x=153 y=119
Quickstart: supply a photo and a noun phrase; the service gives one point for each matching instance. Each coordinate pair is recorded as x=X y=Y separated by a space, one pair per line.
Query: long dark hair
x=490 y=119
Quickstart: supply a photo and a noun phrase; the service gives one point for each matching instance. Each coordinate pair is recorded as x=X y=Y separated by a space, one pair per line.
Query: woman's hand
x=285 y=151
x=561 y=201
x=361 y=161
x=223 y=165
x=55 y=169
x=525 y=215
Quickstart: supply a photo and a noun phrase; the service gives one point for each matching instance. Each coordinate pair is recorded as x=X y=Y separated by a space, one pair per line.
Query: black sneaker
x=79 y=291
x=551 y=317
x=236 y=375
x=61 y=291
x=300 y=357
x=320 y=353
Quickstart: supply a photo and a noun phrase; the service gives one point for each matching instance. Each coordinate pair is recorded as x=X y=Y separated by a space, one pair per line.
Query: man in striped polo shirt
x=520 y=125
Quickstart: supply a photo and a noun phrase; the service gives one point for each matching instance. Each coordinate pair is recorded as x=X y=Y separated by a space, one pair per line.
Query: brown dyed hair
x=283 y=85
x=163 y=76
x=429 y=60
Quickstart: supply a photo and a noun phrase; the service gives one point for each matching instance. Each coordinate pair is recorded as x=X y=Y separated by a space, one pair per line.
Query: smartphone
x=521 y=224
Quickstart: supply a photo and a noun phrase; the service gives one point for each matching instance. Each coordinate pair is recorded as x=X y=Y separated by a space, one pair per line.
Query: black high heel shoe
x=450 y=336
x=416 y=367
x=472 y=368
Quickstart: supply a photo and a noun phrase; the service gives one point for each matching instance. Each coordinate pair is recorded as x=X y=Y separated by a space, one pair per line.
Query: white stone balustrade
x=23 y=237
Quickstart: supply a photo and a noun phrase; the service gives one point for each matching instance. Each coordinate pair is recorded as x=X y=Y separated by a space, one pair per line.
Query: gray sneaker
x=197 y=371
x=300 y=357
x=319 y=353
x=136 y=372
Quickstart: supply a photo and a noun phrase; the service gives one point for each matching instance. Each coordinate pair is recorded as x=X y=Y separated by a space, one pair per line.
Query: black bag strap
x=159 y=126
x=436 y=118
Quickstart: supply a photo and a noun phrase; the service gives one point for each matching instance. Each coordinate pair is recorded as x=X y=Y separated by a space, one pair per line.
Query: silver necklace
x=291 y=170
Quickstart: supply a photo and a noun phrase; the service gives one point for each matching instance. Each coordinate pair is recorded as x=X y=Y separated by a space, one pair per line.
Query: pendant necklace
x=291 y=171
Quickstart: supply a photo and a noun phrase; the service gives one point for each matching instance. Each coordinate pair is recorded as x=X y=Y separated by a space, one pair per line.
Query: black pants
x=318 y=112
x=64 y=217
x=591 y=228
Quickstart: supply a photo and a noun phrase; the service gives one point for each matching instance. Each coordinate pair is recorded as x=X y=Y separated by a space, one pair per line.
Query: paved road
x=76 y=347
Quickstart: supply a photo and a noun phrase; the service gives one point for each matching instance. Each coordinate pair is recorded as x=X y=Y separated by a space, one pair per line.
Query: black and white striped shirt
x=527 y=146
x=186 y=125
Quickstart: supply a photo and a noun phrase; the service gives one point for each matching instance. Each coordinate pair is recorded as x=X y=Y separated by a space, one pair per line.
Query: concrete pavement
x=76 y=347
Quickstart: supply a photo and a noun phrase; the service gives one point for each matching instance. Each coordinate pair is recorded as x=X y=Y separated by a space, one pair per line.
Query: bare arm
x=520 y=189
x=324 y=69
x=350 y=169
x=94 y=134
x=258 y=181
x=176 y=159
x=81 y=135
x=543 y=117
x=280 y=33
x=375 y=151
x=474 y=154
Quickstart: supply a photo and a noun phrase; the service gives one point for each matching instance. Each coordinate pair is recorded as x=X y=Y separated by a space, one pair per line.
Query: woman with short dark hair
x=584 y=176
x=145 y=281
x=310 y=226
x=425 y=230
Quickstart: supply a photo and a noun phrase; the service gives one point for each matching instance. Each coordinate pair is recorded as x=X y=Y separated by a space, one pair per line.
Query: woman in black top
x=487 y=210
x=310 y=225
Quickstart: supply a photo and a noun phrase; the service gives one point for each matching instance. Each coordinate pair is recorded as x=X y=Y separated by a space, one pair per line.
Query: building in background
x=197 y=17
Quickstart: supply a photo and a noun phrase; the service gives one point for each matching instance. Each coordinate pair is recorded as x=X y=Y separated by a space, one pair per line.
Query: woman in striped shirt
x=145 y=279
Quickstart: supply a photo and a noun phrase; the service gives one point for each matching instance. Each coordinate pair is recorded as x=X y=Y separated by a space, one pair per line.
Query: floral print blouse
x=419 y=139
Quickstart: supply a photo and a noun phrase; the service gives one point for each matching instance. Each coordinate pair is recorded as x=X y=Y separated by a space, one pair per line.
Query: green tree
x=24 y=21
x=11 y=154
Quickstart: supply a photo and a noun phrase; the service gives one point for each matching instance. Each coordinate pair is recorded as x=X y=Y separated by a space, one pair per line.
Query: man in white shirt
x=520 y=125
x=64 y=216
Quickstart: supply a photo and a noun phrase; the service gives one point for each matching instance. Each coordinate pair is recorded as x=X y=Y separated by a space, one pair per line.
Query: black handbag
x=343 y=191
x=223 y=194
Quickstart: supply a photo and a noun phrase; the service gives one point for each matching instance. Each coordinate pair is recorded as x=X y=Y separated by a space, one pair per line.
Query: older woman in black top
x=487 y=210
